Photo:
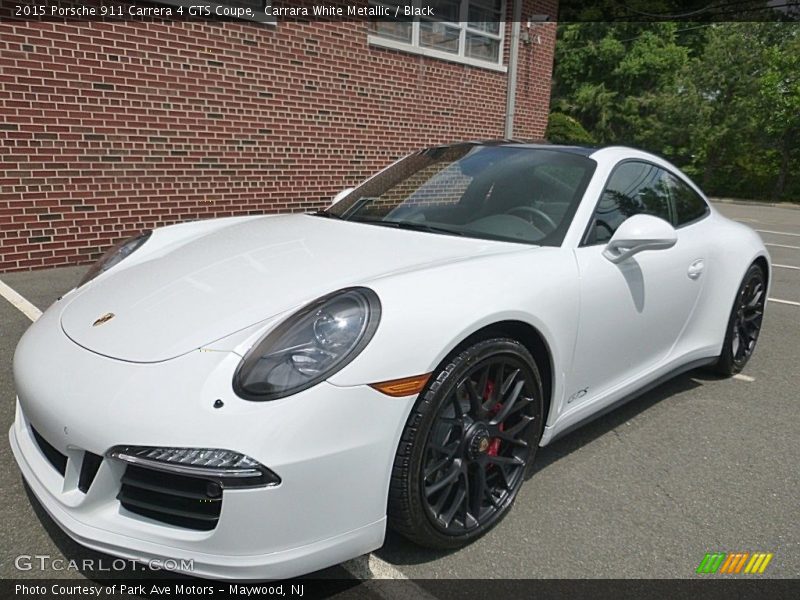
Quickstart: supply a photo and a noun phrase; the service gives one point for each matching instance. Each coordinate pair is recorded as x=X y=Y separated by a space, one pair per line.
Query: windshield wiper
x=326 y=214
x=411 y=225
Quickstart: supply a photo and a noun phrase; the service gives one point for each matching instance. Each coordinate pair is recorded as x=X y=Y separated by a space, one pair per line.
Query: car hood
x=215 y=283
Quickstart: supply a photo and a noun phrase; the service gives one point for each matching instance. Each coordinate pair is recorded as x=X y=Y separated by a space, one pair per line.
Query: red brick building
x=109 y=128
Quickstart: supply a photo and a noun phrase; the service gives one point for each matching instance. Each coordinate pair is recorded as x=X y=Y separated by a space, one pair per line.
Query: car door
x=632 y=313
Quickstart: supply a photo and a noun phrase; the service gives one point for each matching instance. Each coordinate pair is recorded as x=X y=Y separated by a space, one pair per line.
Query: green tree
x=732 y=117
x=608 y=75
x=780 y=110
x=721 y=100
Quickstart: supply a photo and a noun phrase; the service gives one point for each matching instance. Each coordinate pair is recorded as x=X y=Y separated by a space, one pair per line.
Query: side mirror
x=638 y=233
x=341 y=195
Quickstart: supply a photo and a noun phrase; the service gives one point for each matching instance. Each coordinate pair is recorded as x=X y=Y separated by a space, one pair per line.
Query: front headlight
x=114 y=255
x=310 y=346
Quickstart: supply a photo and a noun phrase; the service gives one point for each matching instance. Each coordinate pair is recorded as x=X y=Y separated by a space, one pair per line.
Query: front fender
x=427 y=314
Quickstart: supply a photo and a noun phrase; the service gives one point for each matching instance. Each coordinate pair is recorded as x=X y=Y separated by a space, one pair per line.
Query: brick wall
x=110 y=128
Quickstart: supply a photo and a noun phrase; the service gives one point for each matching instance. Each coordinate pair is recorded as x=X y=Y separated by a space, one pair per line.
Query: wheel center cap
x=478 y=441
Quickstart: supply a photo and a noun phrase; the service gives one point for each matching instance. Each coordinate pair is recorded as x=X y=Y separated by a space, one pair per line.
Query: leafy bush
x=563 y=129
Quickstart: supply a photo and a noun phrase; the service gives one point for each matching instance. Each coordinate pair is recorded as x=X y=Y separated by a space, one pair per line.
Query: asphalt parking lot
x=697 y=465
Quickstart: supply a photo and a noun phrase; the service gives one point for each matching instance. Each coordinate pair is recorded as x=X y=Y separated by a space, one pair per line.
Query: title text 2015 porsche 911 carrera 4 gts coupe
x=266 y=394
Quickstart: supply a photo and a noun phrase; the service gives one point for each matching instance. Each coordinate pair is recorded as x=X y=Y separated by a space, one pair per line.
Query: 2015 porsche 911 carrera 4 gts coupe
x=266 y=394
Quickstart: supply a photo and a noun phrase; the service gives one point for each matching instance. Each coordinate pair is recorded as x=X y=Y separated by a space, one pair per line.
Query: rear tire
x=744 y=324
x=467 y=445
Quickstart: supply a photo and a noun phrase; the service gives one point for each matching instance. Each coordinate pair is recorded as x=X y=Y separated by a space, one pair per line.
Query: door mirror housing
x=341 y=195
x=638 y=233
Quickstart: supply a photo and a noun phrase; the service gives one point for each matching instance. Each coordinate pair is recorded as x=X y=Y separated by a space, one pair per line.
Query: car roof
x=538 y=144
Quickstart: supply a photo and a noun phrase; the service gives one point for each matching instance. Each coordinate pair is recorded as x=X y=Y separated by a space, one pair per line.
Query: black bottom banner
x=424 y=589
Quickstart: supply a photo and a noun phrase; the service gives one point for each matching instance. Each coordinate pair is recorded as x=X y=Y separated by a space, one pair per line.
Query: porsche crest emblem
x=104 y=319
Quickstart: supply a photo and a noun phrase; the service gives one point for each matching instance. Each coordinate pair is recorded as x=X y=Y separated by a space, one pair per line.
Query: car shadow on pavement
x=399 y=551
x=609 y=421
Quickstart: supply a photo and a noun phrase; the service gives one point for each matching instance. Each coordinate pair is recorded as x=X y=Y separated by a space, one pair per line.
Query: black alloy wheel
x=467 y=445
x=744 y=324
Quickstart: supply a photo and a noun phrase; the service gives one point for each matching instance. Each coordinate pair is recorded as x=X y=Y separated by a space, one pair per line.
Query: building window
x=468 y=31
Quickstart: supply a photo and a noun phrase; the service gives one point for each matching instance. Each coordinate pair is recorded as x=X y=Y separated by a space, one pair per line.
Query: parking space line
x=746 y=378
x=778 y=232
x=782 y=246
x=18 y=302
x=779 y=301
x=369 y=567
x=785 y=267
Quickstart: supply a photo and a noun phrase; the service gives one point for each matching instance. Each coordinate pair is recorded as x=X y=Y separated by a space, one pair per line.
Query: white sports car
x=263 y=395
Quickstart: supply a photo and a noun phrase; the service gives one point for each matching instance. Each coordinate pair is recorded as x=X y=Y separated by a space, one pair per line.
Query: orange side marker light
x=407 y=386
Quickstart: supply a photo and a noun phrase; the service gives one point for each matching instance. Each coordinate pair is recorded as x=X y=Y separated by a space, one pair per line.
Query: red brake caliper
x=494 y=443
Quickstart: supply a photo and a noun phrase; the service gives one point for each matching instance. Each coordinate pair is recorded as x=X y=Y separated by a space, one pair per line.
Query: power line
x=699 y=11
x=701 y=26
x=772 y=7
x=725 y=9
x=636 y=37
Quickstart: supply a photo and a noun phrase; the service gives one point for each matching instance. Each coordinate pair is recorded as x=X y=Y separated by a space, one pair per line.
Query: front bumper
x=333 y=448
x=183 y=552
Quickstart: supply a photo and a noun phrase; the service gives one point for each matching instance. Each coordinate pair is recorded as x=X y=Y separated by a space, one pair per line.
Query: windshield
x=508 y=193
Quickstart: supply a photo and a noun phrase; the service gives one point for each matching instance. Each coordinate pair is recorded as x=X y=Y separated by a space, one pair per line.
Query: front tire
x=744 y=324
x=467 y=445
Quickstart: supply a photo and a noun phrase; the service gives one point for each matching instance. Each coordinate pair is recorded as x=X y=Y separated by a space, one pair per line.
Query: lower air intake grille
x=184 y=501
x=53 y=456
x=89 y=466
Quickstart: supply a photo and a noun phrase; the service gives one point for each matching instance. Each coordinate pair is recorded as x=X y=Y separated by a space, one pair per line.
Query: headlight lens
x=228 y=468
x=114 y=255
x=310 y=346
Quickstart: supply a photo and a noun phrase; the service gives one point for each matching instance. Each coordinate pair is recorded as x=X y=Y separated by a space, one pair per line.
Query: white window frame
x=414 y=47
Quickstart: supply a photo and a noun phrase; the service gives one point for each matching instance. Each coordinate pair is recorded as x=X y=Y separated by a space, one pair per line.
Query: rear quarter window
x=689 y=205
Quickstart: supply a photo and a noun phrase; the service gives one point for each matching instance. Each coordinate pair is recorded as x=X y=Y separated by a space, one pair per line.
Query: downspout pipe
x=511 y=75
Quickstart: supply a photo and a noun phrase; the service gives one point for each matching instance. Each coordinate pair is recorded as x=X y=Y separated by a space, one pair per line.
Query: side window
x=634 y=188
x=689 y=206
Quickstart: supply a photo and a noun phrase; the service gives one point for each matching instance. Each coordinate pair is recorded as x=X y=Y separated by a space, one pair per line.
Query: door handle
x=696 y=268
